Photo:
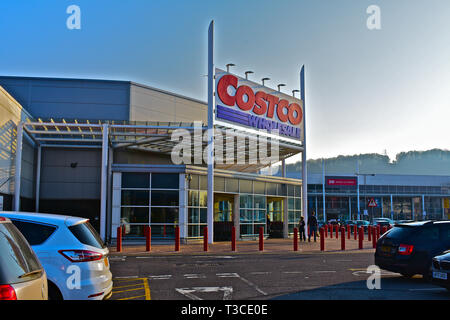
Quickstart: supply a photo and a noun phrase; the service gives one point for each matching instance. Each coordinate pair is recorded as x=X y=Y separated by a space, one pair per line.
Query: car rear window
x=35 y=233
x=86 y=234
x=16 y=256
x=400 y=232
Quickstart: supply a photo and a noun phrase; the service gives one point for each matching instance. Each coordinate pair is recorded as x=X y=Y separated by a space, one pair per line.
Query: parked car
x=408 y=248
x=403 y=221
x=362 y=223
x=22 y=276
x=383 y=222
x=350 y=223
x=68 y=247
x=441 y=270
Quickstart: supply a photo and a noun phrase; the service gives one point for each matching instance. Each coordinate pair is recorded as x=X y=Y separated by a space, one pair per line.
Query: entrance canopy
x=155 y=137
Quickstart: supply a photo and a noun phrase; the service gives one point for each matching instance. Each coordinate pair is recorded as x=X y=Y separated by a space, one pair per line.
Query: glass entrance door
x=223 y=216
x=275 y=216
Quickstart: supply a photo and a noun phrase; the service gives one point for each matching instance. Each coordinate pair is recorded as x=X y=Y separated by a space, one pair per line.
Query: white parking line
x=330 y=271
x=161 y=277
x=194 y=276
x=259 y=273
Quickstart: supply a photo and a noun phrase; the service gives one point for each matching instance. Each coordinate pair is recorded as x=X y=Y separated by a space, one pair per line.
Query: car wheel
x=53 y=292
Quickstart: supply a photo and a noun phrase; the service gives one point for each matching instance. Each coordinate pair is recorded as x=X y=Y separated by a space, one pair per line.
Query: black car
x=408 y=248
x=441 y=270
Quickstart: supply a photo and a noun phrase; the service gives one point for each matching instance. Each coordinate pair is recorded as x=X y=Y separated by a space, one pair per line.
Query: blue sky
x=367 y=90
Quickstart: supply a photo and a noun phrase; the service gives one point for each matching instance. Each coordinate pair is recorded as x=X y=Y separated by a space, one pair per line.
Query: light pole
x=247 y=73
x=264 y=79
x=280 y=85
x=229 y=65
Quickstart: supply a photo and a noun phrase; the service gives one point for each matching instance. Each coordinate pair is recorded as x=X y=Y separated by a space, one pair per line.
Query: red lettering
x=281 y=105
x=273 y=100
x=222 y=86
x=294 y=108
x=245 y=91
x=261 y=105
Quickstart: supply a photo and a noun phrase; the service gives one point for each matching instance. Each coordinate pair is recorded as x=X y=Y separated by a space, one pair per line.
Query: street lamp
x=229 y=65
x=280 y=85
x=264 y=79
x=294 y=91
x=247 y=73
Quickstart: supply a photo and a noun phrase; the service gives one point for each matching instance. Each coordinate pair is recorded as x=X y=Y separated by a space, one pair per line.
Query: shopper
x=312 y=224
x=301 y=229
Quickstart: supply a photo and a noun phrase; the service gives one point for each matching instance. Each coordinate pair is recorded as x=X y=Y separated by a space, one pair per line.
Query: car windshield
x=86 y=234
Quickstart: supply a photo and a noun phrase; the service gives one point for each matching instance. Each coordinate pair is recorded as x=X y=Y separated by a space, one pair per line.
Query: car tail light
x=81 y=255
x=405 y=249
x=7 y=292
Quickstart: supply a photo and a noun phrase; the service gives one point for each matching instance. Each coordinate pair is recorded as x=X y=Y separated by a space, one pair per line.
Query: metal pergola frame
x=154 y=137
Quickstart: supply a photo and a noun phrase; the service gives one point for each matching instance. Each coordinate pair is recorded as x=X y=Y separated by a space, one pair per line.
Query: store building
x=102 y=149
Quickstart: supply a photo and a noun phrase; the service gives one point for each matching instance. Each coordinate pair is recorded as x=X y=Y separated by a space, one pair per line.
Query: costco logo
x=260 y=110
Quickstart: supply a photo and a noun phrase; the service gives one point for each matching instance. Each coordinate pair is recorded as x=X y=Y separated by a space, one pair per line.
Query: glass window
x=193 y=215
x=86 y=234
x=164 y=215
x=291 y=191
x=17 y=257
x=203 y=215
x=246 y=216
x=193 y=198
x=193 y=182
x=246 y=201
x=134 y=215
x=34 y=233
x=165 y=198
x=259 y=216
x=232 y=185
x=245 y=186
x=135 y=180
x=165 y=181
x=135 y=197
x=203 y=199
x=260 y=202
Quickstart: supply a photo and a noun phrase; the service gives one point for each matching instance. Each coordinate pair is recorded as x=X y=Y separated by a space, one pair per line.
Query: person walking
x=301 y=229
x=312 y=224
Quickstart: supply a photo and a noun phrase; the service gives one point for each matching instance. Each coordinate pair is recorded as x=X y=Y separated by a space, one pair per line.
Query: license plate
x=386 y=249
x=106 y=262
x=440 y=275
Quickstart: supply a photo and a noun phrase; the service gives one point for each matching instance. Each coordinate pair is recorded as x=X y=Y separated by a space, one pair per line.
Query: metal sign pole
x=304 y=166
x=210 y=194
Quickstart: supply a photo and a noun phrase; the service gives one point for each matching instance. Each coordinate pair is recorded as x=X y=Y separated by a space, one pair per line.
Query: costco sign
x=252 y=105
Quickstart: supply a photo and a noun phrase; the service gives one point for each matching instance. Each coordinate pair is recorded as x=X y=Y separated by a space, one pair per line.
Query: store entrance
x=275 y=216
x=223 y=216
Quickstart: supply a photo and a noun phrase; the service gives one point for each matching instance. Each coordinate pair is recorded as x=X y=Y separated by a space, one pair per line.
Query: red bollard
x=325 y=227
x=177 y=238
x=164 y=231
x=233 y=238
x=205 y=238
x=342 y=238
x=348 y=232
x=337 y=232
x=369 y=233
x=119 y=239
x=148 y=238
x=331 y=231
x=322 y=239
x=374 y=237
x=261 y=238
x=355 y=231
x=295 y=239
x=384 y=230
x=361 y=238
x=378 y=232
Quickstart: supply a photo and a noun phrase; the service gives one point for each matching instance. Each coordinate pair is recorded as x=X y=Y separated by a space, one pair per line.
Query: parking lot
x=221 y=275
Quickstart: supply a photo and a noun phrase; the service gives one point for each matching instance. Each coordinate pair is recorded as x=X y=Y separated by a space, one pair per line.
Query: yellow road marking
x=128 y=290
x=147 y=289
x=131 y=298
x=129 y=285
